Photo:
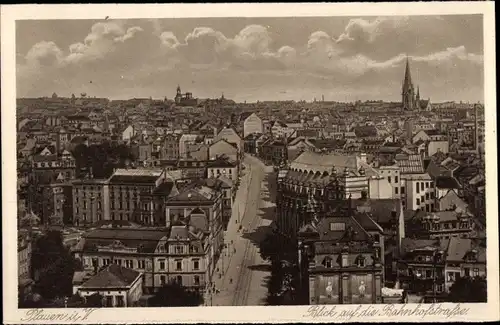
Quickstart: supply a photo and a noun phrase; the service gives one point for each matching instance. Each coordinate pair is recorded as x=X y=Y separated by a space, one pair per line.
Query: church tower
x=417 y=98
x=178 y=95
x=408 y=93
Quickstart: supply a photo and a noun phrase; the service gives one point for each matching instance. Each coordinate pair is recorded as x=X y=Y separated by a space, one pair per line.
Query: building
x=421 y=265
x=170 y=148
x=341 y=261
x=24 y=251
x=58 y=203
x=441 y=224
x=90 y=201
x=126 y=186
x=464 y=258
x=232 y=137
x=186 y=99
x=252 y=124
x=47 y=167
x=222 y=167
x=417 y=186
x=176 y=253
x=274 y=151
x=223 y=148
x=118 y=286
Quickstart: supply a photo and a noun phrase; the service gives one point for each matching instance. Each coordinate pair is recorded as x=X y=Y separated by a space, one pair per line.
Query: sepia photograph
x=250 y=161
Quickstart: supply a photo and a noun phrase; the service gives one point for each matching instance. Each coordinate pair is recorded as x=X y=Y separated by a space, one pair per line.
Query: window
x=432 y=195
x=141 y=264
x=179 y=279
x=396 y=190
x=428 y=273
x=432 y=184
x=418 y=189
x=466 y=271
x=129 y=264
x=162 y=264
x=426 y=184
x=327 y=262
x=396 y=179
x=475 y=272
x=109 y=301
x=427 y=196
x=422 y=186
x=337 y=226
x=196 y=280
x=178 y=265
x=418 y=201
x=163 y=280
x=402 y=190
x=360 y=261
x=120 y=301
x=196 y=264
x=389 y=179
x=179 y=249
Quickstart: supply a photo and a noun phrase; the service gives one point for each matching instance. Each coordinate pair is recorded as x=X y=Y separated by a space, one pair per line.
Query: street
x=242 y=281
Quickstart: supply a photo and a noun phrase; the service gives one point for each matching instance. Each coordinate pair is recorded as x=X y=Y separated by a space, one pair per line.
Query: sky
x=251 y=59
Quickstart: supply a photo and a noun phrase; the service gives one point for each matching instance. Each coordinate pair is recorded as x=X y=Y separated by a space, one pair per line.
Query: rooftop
x=113 y=276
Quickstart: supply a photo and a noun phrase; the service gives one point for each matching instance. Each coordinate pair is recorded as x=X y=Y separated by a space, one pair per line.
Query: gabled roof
x=447 y=182
x=113 y=276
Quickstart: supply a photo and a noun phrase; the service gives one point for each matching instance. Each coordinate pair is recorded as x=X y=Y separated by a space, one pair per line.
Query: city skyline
x=251 y=59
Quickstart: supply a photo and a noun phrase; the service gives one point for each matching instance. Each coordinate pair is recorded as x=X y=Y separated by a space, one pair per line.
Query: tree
x=53 y=266
x=467 y=289
x=175 y=295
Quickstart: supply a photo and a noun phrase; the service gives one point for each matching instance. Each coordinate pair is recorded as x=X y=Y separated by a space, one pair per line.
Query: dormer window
x=360 y=261
x=327 y=262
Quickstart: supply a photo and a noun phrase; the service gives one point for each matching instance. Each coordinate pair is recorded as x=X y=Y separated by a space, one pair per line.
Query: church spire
x=407 y=84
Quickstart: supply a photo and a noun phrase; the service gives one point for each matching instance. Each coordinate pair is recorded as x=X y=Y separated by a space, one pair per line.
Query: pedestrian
x=231 y=280
x=234 y=251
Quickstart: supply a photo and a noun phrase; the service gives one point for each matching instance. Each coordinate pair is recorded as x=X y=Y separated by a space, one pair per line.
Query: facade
x=343 y=262
x=252 y=124
x=170 y=149
x=177 y=253
x=422 y=265
x=232 y=137
x=125 y=190
x=442 y=225
x=90 y=201
x=222 y=167
x=417 y=186
x=223 y=148
x=24 y=251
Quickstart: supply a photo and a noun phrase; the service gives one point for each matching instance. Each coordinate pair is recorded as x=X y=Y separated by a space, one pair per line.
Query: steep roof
x=113 y=276
x=145 y=240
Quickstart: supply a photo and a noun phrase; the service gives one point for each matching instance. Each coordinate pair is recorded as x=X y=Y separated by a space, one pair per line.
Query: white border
x=477 y=312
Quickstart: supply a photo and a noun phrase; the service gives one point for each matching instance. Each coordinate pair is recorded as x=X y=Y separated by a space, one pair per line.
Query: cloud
x=364 y=52
x=44 y=54
x=451 y=53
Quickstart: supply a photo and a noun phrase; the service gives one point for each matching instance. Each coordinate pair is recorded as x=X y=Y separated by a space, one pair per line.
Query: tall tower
x=417 y=98
x=178 y=95
x=408 y=93
x=476 y=129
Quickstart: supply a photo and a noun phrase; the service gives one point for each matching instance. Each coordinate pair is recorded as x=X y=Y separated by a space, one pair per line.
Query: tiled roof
x=410 y=244
x=316 y=162
x=114 y=276
x=380 y=210
x=447 y=182
x=459 y=247
x=144 y=240
x=410 y=164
